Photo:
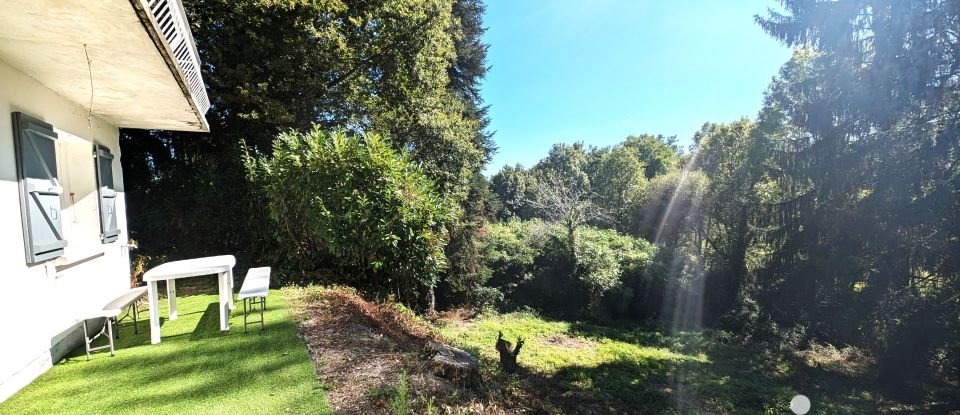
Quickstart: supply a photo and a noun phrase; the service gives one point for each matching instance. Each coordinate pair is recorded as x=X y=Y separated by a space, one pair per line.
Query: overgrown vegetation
x=400 y=401
x=354 y=204
x=831 y=218
x=531 y=264
x=640 y=370
x=406 y=70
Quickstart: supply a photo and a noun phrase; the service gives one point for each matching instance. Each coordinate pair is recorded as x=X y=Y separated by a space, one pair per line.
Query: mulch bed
x=361 y=349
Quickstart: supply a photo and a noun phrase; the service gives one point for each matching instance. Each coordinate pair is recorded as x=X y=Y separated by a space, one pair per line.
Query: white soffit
x=133 y=86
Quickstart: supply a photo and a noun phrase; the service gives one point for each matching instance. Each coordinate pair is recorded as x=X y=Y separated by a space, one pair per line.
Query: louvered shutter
x=108 y=196
x=40 y=188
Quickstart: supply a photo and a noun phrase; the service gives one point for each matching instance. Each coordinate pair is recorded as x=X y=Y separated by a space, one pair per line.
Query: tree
x=659 y=154
x=467 y=271
x=567 y=164
x=867 y=158
x=618 y=180
x=409 y=70
x=513 y=186
x=669 y=211
x=561 y=189
x=470 y=68
x=557 y=200
x=734 y=157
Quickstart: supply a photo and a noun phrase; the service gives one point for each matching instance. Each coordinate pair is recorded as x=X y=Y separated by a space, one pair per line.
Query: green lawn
x=647 y=372
x=196 y=369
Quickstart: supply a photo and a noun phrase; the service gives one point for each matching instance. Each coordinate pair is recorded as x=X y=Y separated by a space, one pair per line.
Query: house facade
x=72 y=73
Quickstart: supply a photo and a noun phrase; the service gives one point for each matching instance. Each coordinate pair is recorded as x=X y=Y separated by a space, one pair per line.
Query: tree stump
x=454 y=364
x=508 y=358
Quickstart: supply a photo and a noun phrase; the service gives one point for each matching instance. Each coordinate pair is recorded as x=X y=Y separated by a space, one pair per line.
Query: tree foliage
x=533 y=265
x=409 y=70
x=604 y=258
x=577 y=185
x=868 y=175
x=513 y=187
x=734 y=157
x=833 y=216
x=659 y=154
x=618 y=180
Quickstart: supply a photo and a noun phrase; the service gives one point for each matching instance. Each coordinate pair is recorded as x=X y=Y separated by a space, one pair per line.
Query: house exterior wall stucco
x=42 y=307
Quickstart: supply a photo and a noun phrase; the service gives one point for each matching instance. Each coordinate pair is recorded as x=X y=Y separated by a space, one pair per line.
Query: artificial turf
x=196 y=369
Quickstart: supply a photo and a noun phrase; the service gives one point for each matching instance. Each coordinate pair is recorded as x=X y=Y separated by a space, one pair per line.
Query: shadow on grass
x=730 y=379
x=636 y=386
x=623 y=386
x=209 y=323
x=743 y=379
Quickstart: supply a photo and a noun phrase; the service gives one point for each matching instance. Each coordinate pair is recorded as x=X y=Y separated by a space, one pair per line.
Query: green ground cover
x=641 y=370
x=196 y=369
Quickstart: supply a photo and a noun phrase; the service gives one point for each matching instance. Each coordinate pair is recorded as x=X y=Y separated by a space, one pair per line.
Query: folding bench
x=127 y=300
x=253 y=291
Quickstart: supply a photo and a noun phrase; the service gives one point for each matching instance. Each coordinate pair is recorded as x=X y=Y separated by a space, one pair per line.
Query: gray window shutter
x=108 y=196
x=40 y=188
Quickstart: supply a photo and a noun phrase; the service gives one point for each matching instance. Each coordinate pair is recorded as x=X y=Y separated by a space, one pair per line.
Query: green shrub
x=532 y=264
x=510 y=251
x=603 y=257
x=356 y=204
x=487 y=298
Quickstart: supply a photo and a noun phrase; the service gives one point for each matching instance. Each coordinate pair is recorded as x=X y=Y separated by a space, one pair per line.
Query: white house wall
x=40 y=308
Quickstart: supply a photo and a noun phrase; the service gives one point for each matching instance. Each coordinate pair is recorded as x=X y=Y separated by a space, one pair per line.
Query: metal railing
x=172 y=25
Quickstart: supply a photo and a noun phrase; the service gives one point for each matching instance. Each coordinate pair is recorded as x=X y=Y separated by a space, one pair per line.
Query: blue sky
x=598 y=70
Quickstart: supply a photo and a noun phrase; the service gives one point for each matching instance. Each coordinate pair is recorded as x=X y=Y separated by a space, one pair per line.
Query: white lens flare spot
x=800 y=404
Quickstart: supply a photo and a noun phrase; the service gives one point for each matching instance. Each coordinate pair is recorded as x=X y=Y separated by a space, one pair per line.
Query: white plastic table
x=221 y=265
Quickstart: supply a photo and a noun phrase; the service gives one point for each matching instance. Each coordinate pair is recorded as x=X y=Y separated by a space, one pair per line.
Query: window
x=108 y=196
x=40 y=188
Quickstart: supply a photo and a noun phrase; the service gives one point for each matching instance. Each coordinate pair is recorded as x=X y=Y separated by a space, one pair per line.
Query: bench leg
x=106 y=329
x=110 y=322
x=86 y=339
x=136 y=315
x=250 y=307
x=224 y=300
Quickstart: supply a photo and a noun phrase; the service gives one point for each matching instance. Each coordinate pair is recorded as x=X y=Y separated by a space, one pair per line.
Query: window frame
x=107 y=235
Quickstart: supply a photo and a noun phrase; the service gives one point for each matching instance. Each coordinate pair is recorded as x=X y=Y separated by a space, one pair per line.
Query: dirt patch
x=455 y=316
x=566 y=342
x=360 y=348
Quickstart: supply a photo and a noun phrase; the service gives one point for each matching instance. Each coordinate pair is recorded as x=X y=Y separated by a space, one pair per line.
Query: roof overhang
x=139 y=56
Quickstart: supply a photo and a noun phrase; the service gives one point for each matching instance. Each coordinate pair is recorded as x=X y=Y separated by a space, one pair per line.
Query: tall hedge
x=354 y=205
